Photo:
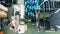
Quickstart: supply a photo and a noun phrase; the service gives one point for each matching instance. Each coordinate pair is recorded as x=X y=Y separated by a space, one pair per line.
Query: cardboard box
x=22 y=28
x=1 y=32
x=25 y=27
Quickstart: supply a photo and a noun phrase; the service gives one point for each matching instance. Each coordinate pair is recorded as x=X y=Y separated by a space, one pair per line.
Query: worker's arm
x=3 y=11
x=3 y=8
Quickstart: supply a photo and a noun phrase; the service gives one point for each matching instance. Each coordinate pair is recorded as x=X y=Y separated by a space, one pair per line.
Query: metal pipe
x=44 y=16
x=43 y=2
x=21 y=13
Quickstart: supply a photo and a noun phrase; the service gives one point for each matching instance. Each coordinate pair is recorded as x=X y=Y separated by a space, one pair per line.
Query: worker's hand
x=3 y=8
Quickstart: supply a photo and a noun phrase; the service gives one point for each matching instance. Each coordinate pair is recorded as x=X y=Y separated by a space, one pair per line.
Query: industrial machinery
x=8 y=2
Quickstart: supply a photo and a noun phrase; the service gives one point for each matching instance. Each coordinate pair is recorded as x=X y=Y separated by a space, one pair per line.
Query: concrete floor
x=31 y=30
